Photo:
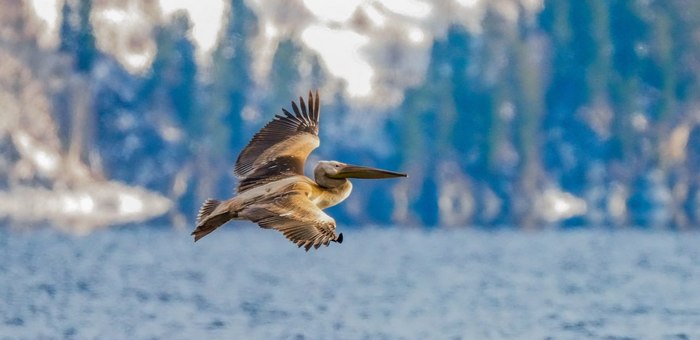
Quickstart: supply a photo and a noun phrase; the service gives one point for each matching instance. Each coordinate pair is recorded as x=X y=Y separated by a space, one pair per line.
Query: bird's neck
x=328 y=197
x=331 y=183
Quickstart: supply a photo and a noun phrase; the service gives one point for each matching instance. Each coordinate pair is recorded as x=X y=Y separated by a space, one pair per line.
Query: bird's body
x=273 y=190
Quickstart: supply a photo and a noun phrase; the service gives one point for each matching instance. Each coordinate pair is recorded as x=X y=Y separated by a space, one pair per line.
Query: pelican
x=273 y=190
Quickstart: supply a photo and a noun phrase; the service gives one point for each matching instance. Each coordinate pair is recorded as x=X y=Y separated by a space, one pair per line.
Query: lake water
x=247 y=283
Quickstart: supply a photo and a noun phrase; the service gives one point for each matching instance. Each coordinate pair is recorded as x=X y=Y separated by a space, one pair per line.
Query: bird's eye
x=337 y=166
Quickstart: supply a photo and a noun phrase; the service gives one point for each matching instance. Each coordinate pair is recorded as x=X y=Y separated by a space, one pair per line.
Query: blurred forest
x=579 y=113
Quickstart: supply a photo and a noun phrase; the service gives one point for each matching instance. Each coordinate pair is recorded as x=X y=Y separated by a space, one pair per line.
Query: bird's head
x=334 y=172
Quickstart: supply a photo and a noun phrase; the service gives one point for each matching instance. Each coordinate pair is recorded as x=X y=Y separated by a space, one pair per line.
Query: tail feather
x=206 y=209
x=206 y=223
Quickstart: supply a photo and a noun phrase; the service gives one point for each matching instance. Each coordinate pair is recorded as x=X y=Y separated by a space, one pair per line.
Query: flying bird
x=273 y=190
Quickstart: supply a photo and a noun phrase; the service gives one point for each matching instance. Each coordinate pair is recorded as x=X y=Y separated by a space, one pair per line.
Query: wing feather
x=281 y=147
x=299 y=220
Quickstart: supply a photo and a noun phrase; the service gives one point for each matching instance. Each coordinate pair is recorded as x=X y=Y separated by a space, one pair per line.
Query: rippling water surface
x=388 y=283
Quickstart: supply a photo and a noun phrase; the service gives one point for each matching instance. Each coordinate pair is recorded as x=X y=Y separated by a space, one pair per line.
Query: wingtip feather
x=317 y=107
x=303 y=107
x=295 y=108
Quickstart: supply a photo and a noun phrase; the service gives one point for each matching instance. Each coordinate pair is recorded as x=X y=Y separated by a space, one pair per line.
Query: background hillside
x=526 y=113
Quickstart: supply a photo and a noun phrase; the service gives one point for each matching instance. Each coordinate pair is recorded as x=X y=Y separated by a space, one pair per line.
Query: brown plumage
x=273 y=191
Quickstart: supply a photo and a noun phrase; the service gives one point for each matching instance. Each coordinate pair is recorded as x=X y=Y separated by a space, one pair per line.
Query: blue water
x=242 y=282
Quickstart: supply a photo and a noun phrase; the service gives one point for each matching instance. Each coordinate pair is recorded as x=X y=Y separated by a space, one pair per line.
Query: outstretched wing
x=297 y=218
x=281 y=147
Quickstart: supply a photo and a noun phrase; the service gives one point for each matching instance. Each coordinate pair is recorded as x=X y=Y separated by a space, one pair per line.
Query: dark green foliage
x=173 y=75
x=283 y=79
x=231 y=72
x=76 y=33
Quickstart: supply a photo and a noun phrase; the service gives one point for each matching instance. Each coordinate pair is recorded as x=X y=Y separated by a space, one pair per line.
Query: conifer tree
x=231 y=72
x=76 y=33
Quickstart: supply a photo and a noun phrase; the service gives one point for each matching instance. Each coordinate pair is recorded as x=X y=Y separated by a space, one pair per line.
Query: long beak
x=356 y=171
